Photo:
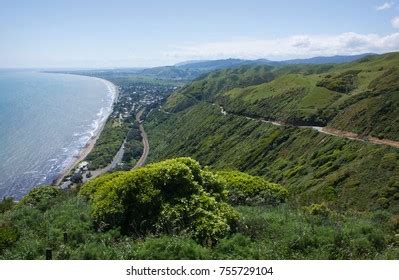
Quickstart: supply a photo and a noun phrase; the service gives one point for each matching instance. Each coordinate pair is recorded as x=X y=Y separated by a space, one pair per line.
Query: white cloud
x=385 y=6
x=395 y=22
x=288 y=47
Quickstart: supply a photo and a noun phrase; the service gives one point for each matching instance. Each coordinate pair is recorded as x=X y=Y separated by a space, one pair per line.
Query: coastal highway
x=146 y=145
x=118 y=157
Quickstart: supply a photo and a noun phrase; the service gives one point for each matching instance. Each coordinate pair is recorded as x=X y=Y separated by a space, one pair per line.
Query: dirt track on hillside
x=326 y=130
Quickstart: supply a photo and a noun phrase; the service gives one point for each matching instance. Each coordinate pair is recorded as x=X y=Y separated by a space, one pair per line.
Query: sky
x=122 y=33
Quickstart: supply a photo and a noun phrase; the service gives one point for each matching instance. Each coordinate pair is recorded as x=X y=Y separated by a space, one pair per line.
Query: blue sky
x=119 y=33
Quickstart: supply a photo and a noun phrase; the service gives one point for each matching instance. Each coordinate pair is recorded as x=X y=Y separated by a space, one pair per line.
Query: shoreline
x=88 y=147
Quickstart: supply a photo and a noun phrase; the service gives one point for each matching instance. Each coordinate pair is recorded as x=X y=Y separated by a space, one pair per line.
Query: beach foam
x=58 y=118
x=95 y=128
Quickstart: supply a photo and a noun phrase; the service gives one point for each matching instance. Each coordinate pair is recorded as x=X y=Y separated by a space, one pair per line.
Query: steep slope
x=359 y=97
x=314 y=167
x=219 y=81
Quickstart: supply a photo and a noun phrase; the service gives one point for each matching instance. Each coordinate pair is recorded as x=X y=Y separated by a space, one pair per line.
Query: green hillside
x=314 y=167
x=360 y=97
x=207 y=87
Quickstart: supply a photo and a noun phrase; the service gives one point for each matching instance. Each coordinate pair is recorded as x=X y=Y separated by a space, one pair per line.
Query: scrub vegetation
x=223 y=182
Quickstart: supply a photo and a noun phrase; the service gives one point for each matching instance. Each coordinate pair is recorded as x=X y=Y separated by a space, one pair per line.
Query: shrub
x=41 y=198
x=91 y=251
x=6 y=204
x=236 y=247
x=319 y=210
x=253 y=222
x=8 y=236
x=244 y=189
x=171 y=248
x=343 y=82
x=171 y=196
x=202 y=216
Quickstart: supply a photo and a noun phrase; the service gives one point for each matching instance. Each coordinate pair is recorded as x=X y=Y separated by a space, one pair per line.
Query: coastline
x=88 y=147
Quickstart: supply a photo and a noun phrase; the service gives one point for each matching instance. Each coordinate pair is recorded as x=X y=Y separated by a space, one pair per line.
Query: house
x=83 y=165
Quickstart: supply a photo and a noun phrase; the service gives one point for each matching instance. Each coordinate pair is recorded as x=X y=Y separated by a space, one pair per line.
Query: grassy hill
x=207 y=87
x=314 y=167
x=360 y=96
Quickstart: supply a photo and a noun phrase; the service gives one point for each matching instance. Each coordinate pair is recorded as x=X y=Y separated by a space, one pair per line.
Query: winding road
x=146 y=145
x=326 y=130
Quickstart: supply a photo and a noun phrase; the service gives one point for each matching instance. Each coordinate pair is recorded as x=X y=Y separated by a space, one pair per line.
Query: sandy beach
x=91 y=142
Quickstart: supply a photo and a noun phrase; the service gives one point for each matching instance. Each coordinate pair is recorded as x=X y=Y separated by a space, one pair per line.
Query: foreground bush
x=244 y=189
x=172 y=196
x=286 y=233
x=8 y=236
x=6 y=204
x=41 y=198
x=171 y=248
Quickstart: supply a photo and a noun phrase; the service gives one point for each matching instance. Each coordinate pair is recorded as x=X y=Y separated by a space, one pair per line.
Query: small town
x=132 y=98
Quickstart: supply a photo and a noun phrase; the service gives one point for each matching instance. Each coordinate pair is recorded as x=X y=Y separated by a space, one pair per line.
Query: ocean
x=45 y=121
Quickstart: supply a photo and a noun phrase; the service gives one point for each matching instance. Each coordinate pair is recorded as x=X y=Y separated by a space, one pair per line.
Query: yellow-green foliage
x=245 y=189
x=8 y=236
x=41 y=198
x=172 y=196
x=318 y=210
x=92 y=186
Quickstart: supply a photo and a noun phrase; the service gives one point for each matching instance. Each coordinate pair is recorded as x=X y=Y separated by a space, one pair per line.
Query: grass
x=360 y=96
x=314 y=167
x=263 y=233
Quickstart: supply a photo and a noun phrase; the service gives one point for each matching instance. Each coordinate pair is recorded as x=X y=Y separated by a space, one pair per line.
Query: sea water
x=45 y=121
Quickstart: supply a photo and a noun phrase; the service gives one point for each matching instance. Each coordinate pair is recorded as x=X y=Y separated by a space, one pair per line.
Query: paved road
x=146 y=145
x=118 y=157
x=117 y=160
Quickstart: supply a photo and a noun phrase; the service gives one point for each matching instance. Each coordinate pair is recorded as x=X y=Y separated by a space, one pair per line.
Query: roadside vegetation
x=109 y=143
x=133 y=148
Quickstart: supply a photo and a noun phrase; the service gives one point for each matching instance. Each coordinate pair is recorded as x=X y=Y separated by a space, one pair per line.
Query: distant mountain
x=215 y=64
x=183 y=63
x=190 y=70
x=231 y=62
x=336 y=59
x=172 y=72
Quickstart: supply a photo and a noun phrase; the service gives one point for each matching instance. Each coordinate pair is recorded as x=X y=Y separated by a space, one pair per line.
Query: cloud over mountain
x=289 y=47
